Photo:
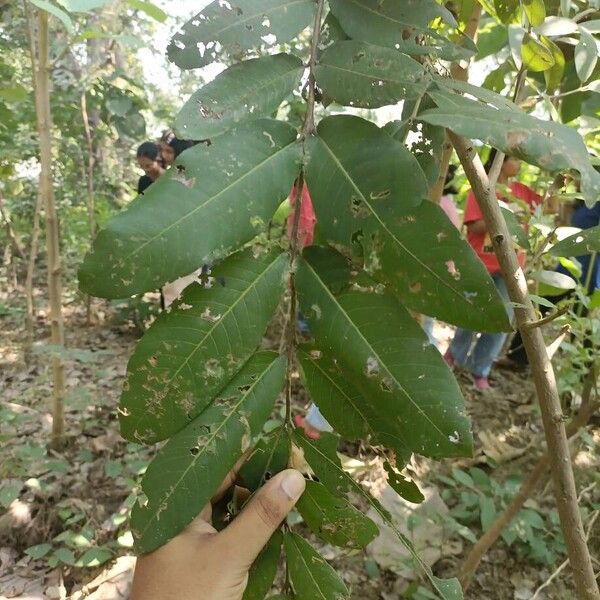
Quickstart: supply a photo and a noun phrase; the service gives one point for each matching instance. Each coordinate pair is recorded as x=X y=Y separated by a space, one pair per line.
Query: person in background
x=151 y=162
x=470 y=350
x=582 y=217
x=448 y=206
x=171 y=147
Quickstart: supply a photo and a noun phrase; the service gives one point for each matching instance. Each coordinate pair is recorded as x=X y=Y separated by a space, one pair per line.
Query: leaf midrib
x=375 y=354
x=215 y=325
x=413 y=256
x=308 y=568
x=233 y=413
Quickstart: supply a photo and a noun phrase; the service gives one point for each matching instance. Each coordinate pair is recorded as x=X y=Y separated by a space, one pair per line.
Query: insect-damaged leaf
x=406 y=488
x=549 y=145
x=191 y=351
x=340 y=402
x=188 y=470
x=322 y=457
x=311 y=577
x=263 y=570
x=269 y=457
x=578 y=244
x=359 y=74
x=366 y=188
x=231 y=28
x=249 y=90
x=427 y=148
x=387 y=23
x=223 y=198
x=334 y=519
x=406 y=385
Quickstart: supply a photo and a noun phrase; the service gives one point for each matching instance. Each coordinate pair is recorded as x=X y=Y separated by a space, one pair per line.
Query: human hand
x=203 y=564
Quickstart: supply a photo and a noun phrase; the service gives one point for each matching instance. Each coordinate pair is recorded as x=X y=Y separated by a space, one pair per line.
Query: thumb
x=246 y=536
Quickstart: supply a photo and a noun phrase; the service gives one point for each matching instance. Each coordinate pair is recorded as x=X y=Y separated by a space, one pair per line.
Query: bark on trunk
x=541 y=368
x=33 y=252
x=40 y=66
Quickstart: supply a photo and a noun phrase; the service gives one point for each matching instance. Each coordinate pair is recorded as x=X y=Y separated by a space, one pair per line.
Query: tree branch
x=554 y=428
x=10 y=232
x=308 y=129
x=548 y=318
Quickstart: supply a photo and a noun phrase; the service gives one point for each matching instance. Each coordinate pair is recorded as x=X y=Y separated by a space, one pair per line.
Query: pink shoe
x=481 y=383
x=449 y=359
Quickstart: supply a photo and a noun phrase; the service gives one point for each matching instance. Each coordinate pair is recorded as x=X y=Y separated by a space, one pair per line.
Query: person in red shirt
x=470 y=350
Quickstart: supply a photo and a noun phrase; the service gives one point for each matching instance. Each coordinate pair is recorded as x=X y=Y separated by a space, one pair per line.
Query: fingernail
x=293 y=485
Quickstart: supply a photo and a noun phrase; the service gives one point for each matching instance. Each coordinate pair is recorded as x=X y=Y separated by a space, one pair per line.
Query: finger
x=251 y=530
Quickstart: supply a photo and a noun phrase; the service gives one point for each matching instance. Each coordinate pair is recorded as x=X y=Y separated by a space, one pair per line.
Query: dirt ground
x=506 y=427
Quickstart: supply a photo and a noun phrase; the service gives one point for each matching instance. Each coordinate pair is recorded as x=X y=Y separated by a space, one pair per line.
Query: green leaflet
x=535 y=11
x=190 y=352
x=188 y=470
x=406 y=488
x=334 y=519
x=551 y=146
x=586 y=54
x=322 y=457
x=366 y=189
x=427 y=149
x=405 y=383
x=585 y=241
x=263 y=570
x=217 y=199
x=248 y=90
x=310 y=575
x=385 y=23
x=269 y=456
x=535 y=55
x=231 y=28
x=339 y=401
x=361 y=75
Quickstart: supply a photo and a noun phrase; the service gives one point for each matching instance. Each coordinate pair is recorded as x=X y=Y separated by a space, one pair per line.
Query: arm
x=476 y=226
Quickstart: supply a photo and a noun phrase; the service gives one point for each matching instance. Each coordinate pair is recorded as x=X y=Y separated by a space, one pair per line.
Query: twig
x=308 y=128
x=554 y=346
x=565 y=491
x=548 y=318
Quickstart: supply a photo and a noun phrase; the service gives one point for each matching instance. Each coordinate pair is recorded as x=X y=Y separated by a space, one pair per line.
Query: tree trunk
x=33 y=252
x=89 y=176
x=565 y=491
x=41 y=76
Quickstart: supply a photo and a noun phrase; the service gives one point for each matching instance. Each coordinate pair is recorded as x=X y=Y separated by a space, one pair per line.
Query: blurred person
x=151 y=162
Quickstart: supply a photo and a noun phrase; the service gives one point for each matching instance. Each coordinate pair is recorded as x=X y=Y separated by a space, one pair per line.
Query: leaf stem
x=308 y=128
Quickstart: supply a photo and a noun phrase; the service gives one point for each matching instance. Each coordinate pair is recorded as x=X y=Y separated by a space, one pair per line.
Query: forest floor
x=69 y=509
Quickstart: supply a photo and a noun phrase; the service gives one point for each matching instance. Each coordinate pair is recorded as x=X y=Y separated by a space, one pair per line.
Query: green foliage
x=475 y=499
x=231 y=30
x=248 y=90
x=198 y=377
